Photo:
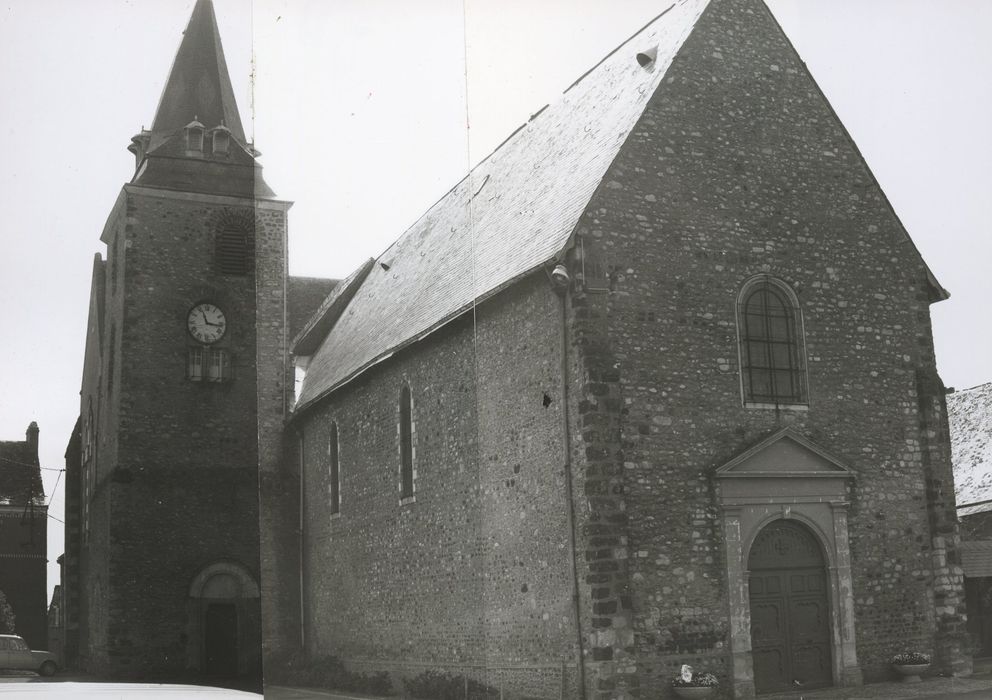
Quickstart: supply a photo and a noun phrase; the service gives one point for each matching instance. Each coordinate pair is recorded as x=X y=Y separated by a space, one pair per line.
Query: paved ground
x=278 y=692
x=977 y=687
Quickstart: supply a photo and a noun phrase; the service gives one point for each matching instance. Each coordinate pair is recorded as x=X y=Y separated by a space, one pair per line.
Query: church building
x=653 y=385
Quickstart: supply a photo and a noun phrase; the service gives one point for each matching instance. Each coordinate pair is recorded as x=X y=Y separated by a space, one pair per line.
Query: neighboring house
x=69 y=596
x=23 y=537
x=653 y=385
x=970 y=415
x=56 y=625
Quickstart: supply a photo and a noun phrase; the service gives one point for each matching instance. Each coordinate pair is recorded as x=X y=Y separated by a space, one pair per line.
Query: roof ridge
x=530 y=120
x=466 y=247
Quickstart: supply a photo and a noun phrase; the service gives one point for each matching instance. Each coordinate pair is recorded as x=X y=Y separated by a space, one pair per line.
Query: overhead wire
x=32 y=466
x=54 y=489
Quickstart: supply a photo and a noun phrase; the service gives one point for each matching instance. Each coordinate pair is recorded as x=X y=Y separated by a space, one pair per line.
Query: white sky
x=360 y=109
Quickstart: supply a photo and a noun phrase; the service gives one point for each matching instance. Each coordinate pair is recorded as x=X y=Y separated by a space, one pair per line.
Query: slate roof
x=976 y=558
x=307 y=339
x=199 y=85
x=20 y=474
x=199 y=90
x=303 y=297
x=969 y=413
x=514 y=212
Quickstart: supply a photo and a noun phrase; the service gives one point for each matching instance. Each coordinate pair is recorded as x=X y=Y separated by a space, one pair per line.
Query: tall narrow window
x=111 y=359
x=334 y=487
x=772 y=353
x=406 y=443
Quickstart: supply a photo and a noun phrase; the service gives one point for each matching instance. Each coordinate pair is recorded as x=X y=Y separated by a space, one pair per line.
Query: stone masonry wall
x=278 y=558
x=528 y=582
x=738 y=168
x=385 y=581
x=185 y=477
x=474 y=575
x=99 y=409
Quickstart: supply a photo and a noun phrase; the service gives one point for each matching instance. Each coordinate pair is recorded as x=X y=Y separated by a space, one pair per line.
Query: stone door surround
x=787 y=476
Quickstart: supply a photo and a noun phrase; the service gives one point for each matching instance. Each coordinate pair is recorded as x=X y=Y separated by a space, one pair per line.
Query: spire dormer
x=193 y=133
x=220 y=141
x=196 y=142
x=199 y=86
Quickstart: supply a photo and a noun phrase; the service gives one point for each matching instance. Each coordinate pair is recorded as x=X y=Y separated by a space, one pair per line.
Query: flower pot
x=693 y=691
x=911 y=672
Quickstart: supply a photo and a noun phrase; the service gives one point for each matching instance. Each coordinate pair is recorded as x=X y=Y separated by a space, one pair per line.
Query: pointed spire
x=199 y=85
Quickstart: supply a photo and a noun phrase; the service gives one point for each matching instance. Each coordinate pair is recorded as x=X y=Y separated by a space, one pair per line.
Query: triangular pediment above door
x=783 y=454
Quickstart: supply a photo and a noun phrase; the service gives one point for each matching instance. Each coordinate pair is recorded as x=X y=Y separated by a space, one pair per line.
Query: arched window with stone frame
x=771 y=344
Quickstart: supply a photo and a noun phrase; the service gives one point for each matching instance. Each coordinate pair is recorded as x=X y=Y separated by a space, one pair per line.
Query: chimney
x=32 y=435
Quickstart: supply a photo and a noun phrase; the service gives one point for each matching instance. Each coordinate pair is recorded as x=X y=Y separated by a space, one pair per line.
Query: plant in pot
x=910 y=664
x=692 y=684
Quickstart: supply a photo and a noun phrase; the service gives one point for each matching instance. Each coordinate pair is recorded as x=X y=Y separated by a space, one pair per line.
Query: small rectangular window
x=194 y=365
x=219 y=369
x=209 y=365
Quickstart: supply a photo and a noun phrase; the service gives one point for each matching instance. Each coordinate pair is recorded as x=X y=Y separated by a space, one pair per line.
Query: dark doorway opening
x=790 y=613
x=220 y=639
x=978 y=598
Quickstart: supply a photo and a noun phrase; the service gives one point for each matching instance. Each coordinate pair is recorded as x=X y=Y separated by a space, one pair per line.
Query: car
x=43 y=690
x=16 y=655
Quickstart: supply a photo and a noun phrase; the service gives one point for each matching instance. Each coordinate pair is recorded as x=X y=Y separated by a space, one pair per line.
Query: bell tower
x=185 y=387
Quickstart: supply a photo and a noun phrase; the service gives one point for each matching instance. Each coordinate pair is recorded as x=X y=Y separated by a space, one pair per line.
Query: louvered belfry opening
x=234 y=250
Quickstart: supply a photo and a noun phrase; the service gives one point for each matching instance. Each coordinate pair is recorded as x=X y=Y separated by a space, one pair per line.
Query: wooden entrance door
x=790 y=614
x=220 y=639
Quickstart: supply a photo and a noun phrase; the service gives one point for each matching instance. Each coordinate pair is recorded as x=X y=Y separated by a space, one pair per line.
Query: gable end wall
x=738 y=167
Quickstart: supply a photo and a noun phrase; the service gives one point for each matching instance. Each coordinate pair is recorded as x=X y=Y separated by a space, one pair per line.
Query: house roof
x=303 y=297
x=307 y=339
x=20 y=473
x=514 y=212
x=969 y=413
x=976 y=558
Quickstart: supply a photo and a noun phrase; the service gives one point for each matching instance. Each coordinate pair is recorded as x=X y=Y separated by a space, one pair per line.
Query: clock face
x=206 y=323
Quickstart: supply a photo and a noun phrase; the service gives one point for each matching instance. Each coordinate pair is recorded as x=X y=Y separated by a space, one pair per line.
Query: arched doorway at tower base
x=224 y=613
